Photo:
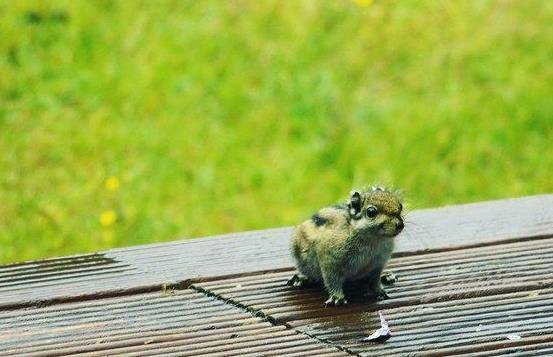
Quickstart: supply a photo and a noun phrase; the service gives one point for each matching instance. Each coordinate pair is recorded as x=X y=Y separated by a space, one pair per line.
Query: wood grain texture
x=469 y=277
x=445 y=303
x=147 y=267
x=431 y=277
x=182 y=322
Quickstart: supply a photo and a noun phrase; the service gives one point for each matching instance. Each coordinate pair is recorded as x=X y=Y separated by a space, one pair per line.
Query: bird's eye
x=372 y=211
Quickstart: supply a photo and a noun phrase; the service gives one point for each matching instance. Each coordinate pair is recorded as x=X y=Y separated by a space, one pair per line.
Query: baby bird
x=348 y=242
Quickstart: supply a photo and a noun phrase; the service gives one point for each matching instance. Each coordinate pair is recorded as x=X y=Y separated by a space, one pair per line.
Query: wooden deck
x=473 y=279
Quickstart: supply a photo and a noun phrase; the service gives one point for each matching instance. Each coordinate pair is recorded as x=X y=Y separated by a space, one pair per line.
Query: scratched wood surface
x=170 y=322
x=138 y=268
x=451 y=302
x=474 y=279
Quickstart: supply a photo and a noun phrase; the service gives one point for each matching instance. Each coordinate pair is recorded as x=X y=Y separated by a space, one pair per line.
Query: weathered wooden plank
x=154 y=323
x=523 y=349
x=476 y=272
x=444 y=303
x=427 y=230
x=145 y=268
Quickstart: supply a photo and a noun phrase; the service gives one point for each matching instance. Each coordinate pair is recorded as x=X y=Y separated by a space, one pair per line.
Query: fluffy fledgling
x=348 y=242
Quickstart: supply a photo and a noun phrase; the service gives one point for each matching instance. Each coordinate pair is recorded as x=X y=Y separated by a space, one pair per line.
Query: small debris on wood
x=147 y=342
x=424 y=308
x=513 y=337
x=382 y=334
x=167 y=289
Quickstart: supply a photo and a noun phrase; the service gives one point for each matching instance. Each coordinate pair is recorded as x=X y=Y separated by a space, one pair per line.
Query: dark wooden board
x=470 y=276
x=181 y=322
x=462 y=301
x=145 y=268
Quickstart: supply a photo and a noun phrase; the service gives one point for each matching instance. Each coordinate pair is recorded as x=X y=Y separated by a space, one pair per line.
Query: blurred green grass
x=128 y=122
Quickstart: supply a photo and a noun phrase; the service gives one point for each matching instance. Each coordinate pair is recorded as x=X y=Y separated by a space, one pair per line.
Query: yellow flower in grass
x=112 y=183
x=107 y=218
x=363 y=3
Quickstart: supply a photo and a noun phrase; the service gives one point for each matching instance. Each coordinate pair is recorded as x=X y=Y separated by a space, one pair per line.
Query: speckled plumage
x=346 y=243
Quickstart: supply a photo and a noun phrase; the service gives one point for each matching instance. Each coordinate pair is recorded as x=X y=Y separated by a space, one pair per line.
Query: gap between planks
x=258 y=313
x=187 y=283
